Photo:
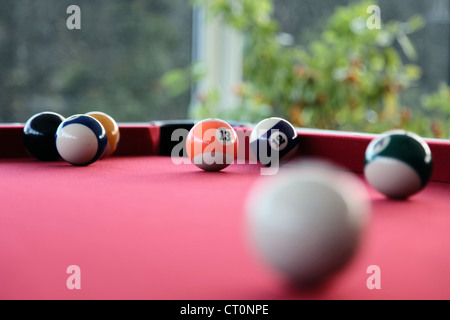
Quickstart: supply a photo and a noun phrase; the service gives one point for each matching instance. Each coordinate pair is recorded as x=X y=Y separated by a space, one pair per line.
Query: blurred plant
x=350 y=78
x=437 y=105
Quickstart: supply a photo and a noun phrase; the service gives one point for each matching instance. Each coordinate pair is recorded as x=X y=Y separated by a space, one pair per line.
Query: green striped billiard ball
x=398 y=164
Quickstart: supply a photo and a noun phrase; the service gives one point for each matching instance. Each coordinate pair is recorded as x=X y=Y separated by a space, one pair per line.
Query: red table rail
x=343 y=148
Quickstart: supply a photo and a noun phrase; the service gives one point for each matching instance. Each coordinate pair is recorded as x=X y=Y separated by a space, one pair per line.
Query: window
x=304 y=20
x=112 y=64
x=422 y=100
x=314 y=62
x=317 y=63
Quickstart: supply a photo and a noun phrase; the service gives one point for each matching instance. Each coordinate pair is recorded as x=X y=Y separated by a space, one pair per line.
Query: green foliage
x=251 y=103
x=349 y=78
x=351 y=72
x=437 y=104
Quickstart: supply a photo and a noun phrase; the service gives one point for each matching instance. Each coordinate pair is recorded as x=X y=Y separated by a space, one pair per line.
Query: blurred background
x=313 y=62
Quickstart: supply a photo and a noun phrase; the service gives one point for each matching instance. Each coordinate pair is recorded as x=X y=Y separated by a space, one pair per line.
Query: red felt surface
x=144 y=228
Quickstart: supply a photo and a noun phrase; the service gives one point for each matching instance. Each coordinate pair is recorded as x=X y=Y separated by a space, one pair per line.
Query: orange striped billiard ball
x=212 y=144
x=111 y=128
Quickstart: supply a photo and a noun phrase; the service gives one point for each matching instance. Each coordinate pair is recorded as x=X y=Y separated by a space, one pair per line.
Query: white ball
x=306 y=222
x=81 y=140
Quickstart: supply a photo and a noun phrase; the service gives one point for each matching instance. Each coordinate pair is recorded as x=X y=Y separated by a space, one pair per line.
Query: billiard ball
x=81 y=140
x=111 y=128
x=172 y=136
x=398 y=164
x=307 y=221
x=212 y=144
x=39 y=135
x=274 y=141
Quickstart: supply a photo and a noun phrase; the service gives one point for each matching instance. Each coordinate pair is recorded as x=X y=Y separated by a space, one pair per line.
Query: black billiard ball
x=39 y=135
x=171 y=134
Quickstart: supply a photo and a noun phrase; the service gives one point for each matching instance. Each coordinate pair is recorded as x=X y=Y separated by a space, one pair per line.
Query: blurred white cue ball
x=306 y=221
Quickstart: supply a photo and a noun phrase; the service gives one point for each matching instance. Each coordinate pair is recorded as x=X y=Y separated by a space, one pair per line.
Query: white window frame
x=220 y=49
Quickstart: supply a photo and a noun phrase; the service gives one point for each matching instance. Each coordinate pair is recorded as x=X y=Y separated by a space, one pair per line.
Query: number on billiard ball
x=225 y=135
x=212 y=144
x=398 y=164
x=274 y=141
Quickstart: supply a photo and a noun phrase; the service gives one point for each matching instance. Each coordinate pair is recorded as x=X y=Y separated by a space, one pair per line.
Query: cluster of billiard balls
x=80 y=139
x=307 y=220
x=212 y=144
x=397 y=163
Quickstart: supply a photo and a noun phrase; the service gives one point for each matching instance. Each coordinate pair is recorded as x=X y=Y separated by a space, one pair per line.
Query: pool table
x=142 y=225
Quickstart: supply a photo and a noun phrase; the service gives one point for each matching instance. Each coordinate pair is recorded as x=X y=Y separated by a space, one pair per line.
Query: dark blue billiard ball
x=81 y=140
x=274 y=141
